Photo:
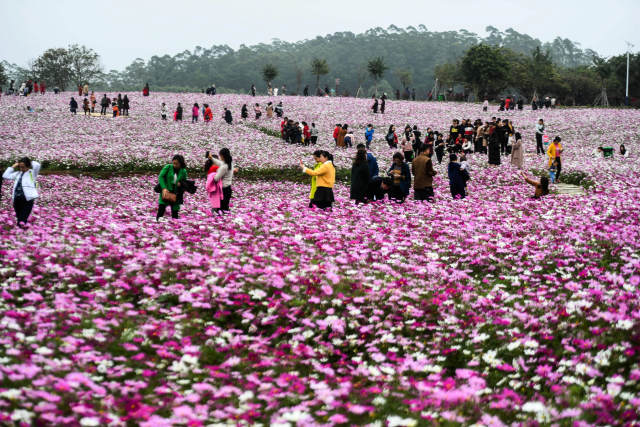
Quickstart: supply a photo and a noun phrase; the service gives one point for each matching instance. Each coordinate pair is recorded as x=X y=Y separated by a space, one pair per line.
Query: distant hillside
x=415 y=50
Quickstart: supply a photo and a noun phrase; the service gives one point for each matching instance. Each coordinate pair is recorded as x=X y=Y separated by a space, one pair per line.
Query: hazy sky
x=122 y=30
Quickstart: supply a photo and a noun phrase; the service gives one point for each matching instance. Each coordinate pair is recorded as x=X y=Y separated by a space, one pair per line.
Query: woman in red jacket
x=306 y=133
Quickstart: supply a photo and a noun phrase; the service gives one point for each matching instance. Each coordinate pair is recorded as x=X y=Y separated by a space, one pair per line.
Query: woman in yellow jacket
x=325 y=176
x=314 y=179
x=554 y=152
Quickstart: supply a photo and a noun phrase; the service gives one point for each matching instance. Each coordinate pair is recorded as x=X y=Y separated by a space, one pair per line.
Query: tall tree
x=84 y=64
x=376 y=68
x=405 y=77
x=319 y=67
x=54 y=66
x=269 y=72
x=485 y=68
x=3 y=76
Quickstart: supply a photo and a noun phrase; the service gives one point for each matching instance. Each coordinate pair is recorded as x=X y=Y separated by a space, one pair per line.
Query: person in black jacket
x=359 y=177
x=456 y=179
x=73 y=105
x=227 y=116
x=244 y=113
x=125 y=105
x=104 y=103
x=179 y=112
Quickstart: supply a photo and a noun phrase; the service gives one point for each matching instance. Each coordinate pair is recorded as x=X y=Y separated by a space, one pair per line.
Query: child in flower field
x=326 y=177
x=85 y=106
x=552 y=171
x=163 y=111
x=114 y=105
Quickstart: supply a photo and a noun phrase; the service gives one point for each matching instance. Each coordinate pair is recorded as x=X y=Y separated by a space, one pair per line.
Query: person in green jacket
x=169 y=179
x=316 y=157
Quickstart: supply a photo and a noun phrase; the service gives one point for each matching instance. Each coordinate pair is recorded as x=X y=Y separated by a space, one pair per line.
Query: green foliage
x=3 y=76
x=376 y=68
x=485 y=68
x=533 y=66
x=61 y=67
x=405 y=77
x=269 y=72
x=319 y=67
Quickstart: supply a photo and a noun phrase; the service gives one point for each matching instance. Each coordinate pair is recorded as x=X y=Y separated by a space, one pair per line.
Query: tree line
x=379 y=60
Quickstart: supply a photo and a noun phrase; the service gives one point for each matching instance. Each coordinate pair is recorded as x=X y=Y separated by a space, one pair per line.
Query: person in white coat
x=24 y=173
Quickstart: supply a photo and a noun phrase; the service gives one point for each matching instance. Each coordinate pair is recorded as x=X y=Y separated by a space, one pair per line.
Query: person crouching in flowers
x=169 y=180
x=25 y=188
x=326 y=177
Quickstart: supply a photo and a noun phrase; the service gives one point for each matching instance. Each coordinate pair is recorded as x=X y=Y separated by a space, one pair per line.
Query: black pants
x=103 y=109
x=503 y=146
x=226 y=198
x=23 y=209
x=439 y=155
x=323 y=204
x=559 y=168
x=125 y=111
x=163 y=208
x=408 y=156
x=539 y=146
x=314 y=139
x=425 y=193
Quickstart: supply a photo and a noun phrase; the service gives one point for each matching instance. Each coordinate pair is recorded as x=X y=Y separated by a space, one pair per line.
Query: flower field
x=492 y=310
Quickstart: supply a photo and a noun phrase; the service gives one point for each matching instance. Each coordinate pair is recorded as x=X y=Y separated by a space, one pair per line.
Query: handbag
x=168 y=196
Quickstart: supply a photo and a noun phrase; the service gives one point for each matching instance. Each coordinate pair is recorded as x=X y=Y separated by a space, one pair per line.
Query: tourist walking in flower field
x=279 y=109
x=145 y=90
x=341 y=134
x=316 y=157
x=326 y=177
x=313 y=132
x=73 y=105
x=493 y=145
x=407 y=146
x=541 y=186
x=368 y=135
x=85 y=89
x=257 y=111
x=163 y=111
x=207 y=113
x=104 y=103
x=244 y=113
x=383 y=104
x=85 y=107
x=269 y=110
x=555 y=152
x=120 y=103
x=92 y=98
x=24 y=173
x=539 y=134
x=400 y=172
x=336 y=132
x=440 y=146
x=456 y=179
x=170 y=179
x=224 y=174
x=125 y=105
x=375 y=105
x=517 y=151
x=195 y=112
x=392 y=138
x=359 y=177
x=423 y=173
x=178 y=113
x=227 y=116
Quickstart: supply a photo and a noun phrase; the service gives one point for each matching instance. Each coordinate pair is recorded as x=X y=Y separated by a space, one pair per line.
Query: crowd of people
x=119 y=105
